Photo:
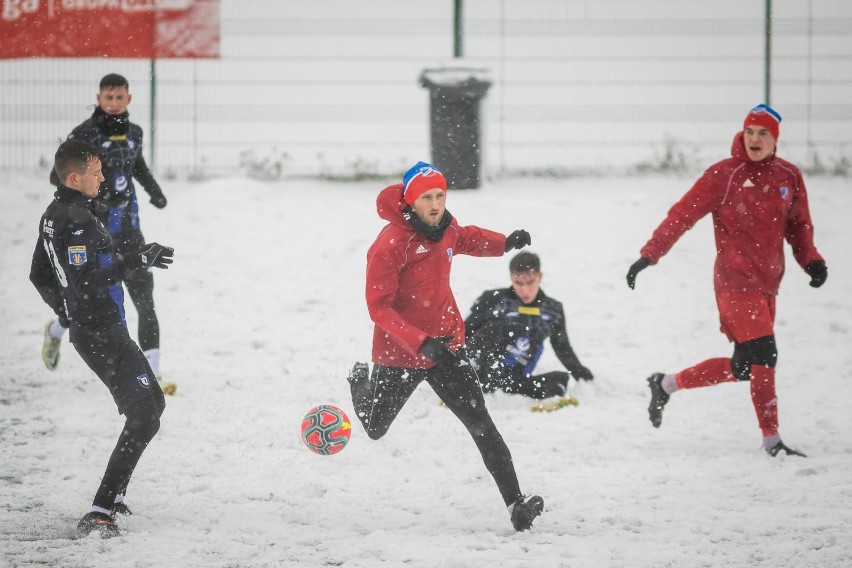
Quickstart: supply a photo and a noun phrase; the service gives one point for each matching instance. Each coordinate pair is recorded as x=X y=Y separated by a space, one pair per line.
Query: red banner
x=149 y=29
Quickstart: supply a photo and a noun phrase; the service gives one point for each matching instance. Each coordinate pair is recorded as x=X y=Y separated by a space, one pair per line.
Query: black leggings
x=546 y=385
x=377 y=403
x=142 y=423
x=140 y=287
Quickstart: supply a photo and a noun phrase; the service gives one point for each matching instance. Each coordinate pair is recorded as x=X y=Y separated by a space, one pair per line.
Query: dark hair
x=113 y=81
x=524 y=262
x=73 y=156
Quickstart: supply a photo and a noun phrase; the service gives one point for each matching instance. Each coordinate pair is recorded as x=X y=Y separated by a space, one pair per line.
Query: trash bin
x=454 y=110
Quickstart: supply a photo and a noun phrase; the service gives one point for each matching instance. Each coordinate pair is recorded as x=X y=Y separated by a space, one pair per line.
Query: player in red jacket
x=757 y=201
x=419 y=330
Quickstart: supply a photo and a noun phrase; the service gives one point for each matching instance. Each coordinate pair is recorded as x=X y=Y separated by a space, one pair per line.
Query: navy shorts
x=118 y=362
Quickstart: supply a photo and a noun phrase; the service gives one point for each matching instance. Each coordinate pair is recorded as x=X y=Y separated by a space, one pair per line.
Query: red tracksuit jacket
x=755 y=207
x=408 y=283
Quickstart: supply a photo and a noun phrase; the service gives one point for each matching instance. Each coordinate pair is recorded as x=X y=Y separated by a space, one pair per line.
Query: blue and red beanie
x=420 y=178
x=765 y=116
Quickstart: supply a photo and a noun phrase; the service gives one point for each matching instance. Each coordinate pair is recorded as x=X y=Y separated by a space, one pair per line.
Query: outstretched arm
x=146 y=179
x=565 y=354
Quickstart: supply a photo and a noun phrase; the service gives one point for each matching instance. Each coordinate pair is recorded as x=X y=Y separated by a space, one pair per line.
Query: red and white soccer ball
x=326 y=429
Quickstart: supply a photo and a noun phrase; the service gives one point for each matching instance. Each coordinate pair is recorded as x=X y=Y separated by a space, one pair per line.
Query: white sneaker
x=50 y=349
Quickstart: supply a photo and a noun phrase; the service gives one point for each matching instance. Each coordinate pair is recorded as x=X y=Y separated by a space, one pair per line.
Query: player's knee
x=764 y=351
x=761 y=351
x=740 y=365
x=143 y=421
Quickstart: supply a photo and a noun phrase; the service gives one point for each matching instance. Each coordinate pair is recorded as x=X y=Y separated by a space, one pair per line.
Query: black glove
x=158 y=200
x=153 y=254
x=818 y=272
x=635 y=269
x=518 y=239
x=435 y=349
x=581 y=372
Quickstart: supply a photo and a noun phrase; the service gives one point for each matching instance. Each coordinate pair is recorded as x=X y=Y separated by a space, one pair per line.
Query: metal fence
x=331 y=88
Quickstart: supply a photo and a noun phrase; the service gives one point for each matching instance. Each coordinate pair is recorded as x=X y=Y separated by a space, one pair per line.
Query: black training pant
x=143 y=422
x=487 y=346
x=140 y=288
x=118 y=362
x=377 y=402
x=554 y=383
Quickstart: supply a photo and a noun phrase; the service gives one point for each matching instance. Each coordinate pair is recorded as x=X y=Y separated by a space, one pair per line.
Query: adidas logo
x=748 y=183
x=421 y=249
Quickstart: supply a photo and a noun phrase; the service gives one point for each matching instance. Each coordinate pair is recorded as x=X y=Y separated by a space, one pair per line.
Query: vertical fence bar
x=458 y=40
x=152 y=129
x=767 y=64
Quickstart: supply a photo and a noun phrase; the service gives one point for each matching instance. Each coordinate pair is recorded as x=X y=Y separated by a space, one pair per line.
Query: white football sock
x=55 y=330
x=770 y=441
x=153 y=356
x=669 y=384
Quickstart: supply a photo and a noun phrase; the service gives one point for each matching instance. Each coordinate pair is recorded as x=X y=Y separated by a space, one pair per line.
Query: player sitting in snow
x=419 y=332
x=506 y=331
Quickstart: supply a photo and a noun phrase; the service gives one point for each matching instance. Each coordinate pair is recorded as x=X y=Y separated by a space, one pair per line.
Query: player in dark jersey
x=78 y=274
x=119 y=144
x=506 y=332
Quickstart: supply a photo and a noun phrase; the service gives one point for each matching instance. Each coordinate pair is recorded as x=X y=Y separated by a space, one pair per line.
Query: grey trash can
x=454 y=109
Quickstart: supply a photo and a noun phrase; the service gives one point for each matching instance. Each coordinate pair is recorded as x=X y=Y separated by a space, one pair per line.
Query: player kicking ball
x=419 y=332
x=77 y=273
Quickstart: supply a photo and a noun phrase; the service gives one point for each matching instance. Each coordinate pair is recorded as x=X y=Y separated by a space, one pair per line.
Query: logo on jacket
x=144 y=381
x=120 y=182
x=522 y=344
x=421 y=249
x=784 y=191
x=77 y=255
x=748 y=183
x=450 y=254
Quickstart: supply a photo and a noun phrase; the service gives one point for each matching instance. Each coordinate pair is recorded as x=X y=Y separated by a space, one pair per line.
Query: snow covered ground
x=262 y=315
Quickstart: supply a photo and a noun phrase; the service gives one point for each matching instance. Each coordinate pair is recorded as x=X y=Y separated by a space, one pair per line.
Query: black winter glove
x=518 y=239
x=153 y=254
x=818 y=272
x=635 y=269
x=581 y=372
x=436 y=349
x=158 y=200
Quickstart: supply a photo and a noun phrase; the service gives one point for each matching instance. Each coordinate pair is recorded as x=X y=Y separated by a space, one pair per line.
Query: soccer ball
x=326 y=429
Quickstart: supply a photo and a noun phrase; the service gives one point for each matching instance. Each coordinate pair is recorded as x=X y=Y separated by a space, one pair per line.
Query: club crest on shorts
x=144 y=381
x=77 y=255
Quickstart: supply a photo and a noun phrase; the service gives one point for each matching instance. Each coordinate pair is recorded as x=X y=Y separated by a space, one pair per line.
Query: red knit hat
x=419 y=179
x=765 y=116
